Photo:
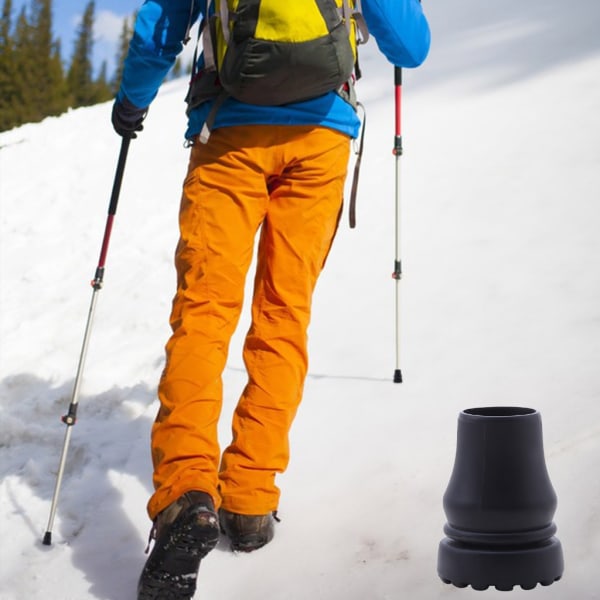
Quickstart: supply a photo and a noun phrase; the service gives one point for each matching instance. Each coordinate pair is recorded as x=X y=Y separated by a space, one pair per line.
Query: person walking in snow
x=278 y=168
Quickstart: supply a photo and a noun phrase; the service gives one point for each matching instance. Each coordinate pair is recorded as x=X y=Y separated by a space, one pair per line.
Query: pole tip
x=47 y=541
x=397 y=376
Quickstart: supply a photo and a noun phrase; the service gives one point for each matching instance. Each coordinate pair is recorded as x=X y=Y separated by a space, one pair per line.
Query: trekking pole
x=70 y=418
x=397 y=274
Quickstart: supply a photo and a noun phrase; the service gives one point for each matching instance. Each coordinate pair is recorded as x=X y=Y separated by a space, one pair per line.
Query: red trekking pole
x=397 y=274
x=71 y=417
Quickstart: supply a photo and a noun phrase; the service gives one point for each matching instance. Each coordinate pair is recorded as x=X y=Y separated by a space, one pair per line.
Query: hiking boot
x=247 y=532
x=185 y=532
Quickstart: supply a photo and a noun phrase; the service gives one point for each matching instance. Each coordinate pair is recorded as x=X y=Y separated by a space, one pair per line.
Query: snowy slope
x=501 y=254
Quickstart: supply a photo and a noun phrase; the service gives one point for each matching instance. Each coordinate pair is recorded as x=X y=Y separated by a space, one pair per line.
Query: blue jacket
x=398 y=26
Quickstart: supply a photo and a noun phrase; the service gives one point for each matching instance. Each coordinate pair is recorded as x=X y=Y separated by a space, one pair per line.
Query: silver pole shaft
x=70 y=418
x=398 y=261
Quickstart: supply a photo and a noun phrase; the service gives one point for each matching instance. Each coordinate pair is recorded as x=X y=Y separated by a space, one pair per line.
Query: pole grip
x=114 y=197
x=112 y=210
x=398 y=110
x=398 y=75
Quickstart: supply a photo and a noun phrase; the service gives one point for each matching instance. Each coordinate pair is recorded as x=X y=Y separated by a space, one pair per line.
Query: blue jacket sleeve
x=159 y=32
x=400 y=29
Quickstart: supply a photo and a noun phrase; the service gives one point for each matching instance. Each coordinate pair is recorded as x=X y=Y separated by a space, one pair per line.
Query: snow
x=499 y=306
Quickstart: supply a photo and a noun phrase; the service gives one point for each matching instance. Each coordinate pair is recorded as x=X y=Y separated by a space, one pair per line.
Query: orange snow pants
x=288 y=182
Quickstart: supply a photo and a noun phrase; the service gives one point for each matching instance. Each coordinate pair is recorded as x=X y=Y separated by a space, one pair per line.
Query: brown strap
x=354 y=188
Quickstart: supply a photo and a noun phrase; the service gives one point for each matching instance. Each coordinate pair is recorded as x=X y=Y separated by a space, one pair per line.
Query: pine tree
x=32 y=79
x=102 y=89
x=7 y=72
x=123 y=48
x=5 y=26
x=22 y=108
x=48 y=93
x=31 y=73
x=79 y=78
x=59 y=101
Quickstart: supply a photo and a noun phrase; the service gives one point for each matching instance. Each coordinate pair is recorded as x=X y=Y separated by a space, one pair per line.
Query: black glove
x=127 y=118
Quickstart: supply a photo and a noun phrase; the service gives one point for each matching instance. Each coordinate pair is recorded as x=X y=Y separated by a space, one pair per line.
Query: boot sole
x=170 y=573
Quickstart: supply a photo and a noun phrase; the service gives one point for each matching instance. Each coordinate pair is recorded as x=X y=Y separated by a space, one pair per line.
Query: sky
x=500 y=215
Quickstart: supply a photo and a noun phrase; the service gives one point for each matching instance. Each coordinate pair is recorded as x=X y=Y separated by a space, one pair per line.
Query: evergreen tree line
x=34 y=83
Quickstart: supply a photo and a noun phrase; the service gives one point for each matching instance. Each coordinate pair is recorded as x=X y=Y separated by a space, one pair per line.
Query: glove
x=127 y=118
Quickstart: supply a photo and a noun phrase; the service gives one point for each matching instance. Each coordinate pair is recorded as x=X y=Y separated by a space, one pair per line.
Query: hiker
x=264 y=163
